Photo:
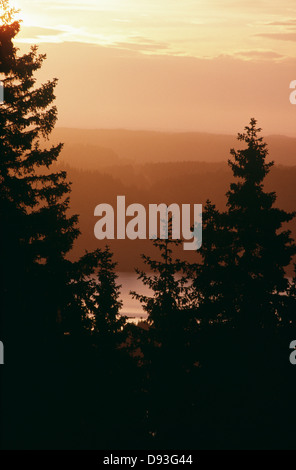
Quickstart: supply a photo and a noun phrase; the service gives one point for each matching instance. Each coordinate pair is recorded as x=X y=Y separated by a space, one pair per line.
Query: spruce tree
x=36 y=231
x=171 y=313
x=108 y=322
x=211 y=293
x=167 y=347
x=261 y=249
x=47 y=301
x=168 y=307
x=9 y=29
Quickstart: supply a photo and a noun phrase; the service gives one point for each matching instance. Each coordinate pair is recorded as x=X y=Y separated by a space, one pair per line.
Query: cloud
x=37 y=34
x=75 y=7
x=33 y=31
x=118 y=20
x=142 y=46
x=86 y=5
x=255 y=54
x=59 y=34
x=67 y=34
x=290 y=22
x=199 y=29
x=279 y=36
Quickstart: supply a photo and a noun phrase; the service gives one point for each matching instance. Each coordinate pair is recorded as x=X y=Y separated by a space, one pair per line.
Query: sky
x=202 y=65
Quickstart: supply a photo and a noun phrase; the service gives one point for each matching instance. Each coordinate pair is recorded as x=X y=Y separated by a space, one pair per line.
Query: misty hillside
x=154 y=167
x=91 y=148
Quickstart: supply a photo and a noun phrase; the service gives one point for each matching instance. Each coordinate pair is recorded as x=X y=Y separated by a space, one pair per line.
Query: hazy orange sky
x=204 y=65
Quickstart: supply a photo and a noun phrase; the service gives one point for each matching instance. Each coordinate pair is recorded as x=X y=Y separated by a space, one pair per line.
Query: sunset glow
x=200 y=29
x=191 y=42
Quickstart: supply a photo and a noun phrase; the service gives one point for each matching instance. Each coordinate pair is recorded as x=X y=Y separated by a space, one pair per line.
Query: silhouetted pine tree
x=167 y=351
x=260 y=250
x=241 y=288
x=211 y=293
x=79 y=305
x=107 y=320
x=34 y=238
x=168 y=307
x=42 y=293
x=9 y=29
x=37 y=233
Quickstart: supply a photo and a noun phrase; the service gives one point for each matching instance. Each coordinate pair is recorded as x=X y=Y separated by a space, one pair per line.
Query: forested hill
x=90 y=148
